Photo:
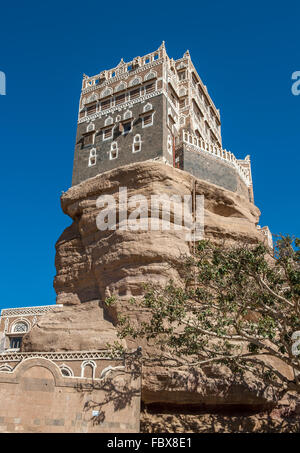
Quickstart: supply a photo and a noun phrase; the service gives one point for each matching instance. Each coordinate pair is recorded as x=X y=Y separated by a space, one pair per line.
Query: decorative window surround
x=126 y=105
x=114 y=151
x=145 y=118
x=66 y=371
x=123 y=76
x=20 y=326
x=6 y=368
x=92 y=157
x=137 y=144
x=88 y=363
x=105 y=135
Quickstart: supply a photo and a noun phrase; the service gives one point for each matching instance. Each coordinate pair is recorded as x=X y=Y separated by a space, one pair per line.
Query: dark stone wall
x=214 y=171
x=152 y=141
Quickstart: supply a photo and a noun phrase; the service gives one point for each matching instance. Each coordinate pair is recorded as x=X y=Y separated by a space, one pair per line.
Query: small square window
x=148 y=120
x=15 y=342
x=107 y=133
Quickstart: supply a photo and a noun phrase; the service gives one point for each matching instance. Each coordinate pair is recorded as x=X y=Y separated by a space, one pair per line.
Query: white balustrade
x=200 y=145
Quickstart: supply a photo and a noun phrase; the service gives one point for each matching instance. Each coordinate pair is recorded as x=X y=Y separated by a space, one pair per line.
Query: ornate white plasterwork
x=121 y=86
x=55 y=356
x=151 y=75
x=7 y=312
x=106 y=92
x=123 y=76
x=124 y=106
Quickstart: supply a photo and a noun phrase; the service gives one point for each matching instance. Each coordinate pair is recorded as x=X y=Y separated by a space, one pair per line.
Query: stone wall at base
x=36 y=397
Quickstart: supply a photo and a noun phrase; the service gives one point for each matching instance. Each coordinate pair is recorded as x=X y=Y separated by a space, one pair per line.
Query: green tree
x=239 y=306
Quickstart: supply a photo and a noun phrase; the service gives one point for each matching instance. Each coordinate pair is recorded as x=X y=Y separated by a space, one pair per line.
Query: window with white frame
x=137 y=143
x=92 y=157
x=66 y=371
x=90 y=127
x=170 y=145
x=88 y=368
x=113 y=154
x=147 y=120
x=107 y=133
x=108 y=121
x=20 y=327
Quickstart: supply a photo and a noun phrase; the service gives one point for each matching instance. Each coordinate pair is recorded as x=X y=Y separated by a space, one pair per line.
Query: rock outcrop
x=93 y=265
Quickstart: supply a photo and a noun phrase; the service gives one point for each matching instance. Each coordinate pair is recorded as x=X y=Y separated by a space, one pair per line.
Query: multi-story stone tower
x=157 y=108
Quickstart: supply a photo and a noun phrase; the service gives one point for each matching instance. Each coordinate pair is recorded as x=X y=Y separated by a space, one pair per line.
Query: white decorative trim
x=58 y=356
x=121 y=86
x=151 y=75
x=106 y=92
x=20 y=321
x=192 y=142
x=111 y=135
x=90 y=127
x=92 y=157
x=137 y=141
x=147 y=107
x=113 y=150
x=91 y=98
x=135 y=81
x=109 y=121
x=6 y=368
x=90 y=363
x=39 y=310
x=127 y=115
x=106 y=371
x=123 y=76
x=124 y=106
x=149 y=124
x=63 y=367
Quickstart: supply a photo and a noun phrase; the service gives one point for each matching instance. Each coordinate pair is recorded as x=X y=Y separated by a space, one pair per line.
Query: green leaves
x=237 y=302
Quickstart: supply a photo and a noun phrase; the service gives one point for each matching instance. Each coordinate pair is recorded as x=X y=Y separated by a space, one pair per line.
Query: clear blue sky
x=244 y=51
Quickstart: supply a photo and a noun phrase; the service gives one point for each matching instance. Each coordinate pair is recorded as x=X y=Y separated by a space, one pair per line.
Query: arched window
x=92 y=157
x=147 y=107
x=20 y=327
x=135 y=81
x=108 y=121
x=150 y=75
x=66 y=371
x=113 y=154
x=88 y=368
x=106 y=92
x=90 y=127
x=137 y=144
x=127 y=115
x=121 y=86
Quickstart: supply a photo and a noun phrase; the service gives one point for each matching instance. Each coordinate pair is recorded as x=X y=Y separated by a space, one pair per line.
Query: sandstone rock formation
x=92 y=265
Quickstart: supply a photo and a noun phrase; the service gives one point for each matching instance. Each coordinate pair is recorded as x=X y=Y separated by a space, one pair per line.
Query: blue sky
x=245 y=53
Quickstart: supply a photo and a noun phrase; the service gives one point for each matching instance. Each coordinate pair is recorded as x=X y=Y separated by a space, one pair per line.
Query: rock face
x=92 y=265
